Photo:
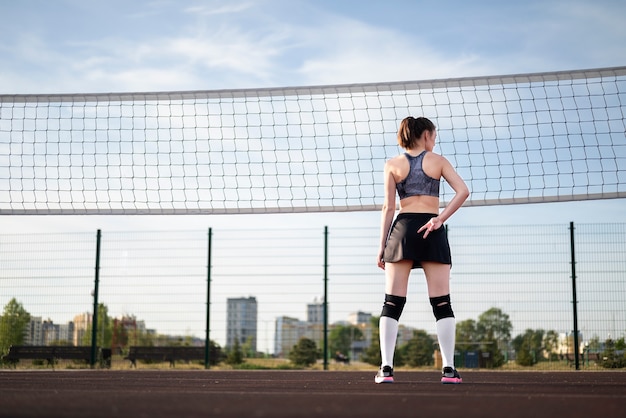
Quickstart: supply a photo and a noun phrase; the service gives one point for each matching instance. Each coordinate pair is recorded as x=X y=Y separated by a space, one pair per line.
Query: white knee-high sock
x=446 y=328
x=388 y=329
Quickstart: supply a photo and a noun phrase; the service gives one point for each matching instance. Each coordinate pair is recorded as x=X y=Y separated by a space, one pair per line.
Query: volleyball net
x=525 y=138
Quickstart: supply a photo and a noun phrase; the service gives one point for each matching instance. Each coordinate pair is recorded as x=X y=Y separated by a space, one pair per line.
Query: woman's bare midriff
x=419 y=204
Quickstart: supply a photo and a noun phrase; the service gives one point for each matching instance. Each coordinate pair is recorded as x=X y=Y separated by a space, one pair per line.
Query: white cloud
x=221 y=9
x=140 y=79
x=169 y=46
x=347 y=51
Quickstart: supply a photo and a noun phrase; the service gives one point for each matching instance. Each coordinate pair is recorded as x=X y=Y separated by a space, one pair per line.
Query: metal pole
x=207 y=340
x=94 y=322
x=326 y=298
x=574 y=301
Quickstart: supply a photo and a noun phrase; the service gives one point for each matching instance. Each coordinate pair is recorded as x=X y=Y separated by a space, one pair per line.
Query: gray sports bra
x=417 y=182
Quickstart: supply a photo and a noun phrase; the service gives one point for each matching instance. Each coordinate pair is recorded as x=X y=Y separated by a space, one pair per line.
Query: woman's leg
x=397 y=277
x=438 y=282
x=437 y=278
x=396 y=285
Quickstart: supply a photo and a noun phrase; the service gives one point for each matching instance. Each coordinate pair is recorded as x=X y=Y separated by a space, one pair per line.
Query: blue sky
x=114 y=46
x=109 y=46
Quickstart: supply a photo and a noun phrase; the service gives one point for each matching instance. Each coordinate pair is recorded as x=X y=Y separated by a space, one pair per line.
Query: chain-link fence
x=266 y=288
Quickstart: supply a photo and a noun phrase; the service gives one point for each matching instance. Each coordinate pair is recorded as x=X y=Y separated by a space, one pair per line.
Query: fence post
x=326 y=298
x=94 y=321
x=574 y=299
x=207 y=340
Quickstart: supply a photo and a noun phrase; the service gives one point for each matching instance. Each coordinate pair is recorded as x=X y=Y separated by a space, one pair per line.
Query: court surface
x=214 y=393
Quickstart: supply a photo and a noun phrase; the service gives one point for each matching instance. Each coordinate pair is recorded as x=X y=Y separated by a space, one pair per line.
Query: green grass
x=118 y=363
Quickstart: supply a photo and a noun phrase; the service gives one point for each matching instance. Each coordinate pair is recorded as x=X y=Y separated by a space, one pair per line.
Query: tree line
x=489 y=335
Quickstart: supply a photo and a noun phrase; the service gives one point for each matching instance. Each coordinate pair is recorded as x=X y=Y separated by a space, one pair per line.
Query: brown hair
x=411 y=129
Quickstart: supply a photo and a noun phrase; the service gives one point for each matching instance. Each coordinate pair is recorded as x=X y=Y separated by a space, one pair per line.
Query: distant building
x=566 y=343
x=66 y=332
x=363 y=321
x=46 y=332
x=286 y=333
x=315 y=312
x=34 y=331
x=241 y=322
x=50 y=332
x=359 y=318
x=81 y=324
x=290 y=330
x=126 y=331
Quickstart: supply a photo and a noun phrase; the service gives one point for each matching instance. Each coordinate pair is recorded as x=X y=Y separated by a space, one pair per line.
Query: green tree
x=551 y=344
x=104 y=334
x=61 y=343
x=419 y=350
x=466 y=335
x=594 y=344
x=13 y=323
x=529 y=347
x=372 y=354
x=494 y=324
x=235 y=354
x=247 y=348
x=145 y=338
x=494 y=332
x=304 y=353
x=610 y=358
x=342 y=336
x=215 y=353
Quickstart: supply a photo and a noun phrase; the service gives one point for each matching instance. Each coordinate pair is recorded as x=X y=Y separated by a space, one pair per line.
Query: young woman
x=417 y=239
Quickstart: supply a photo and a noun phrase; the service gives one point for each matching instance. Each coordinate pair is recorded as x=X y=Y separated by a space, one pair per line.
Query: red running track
x=213 y=393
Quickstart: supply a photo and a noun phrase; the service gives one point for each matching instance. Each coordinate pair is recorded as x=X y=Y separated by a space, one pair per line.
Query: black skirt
x=405 y=243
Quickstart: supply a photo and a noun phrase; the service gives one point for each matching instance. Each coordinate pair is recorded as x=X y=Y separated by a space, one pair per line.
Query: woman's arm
x=458 y=185
x=460 y=196
x=388 y=211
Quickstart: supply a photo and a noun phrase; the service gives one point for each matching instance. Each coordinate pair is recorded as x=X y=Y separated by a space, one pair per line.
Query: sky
x=78 y=46
x=73 y=46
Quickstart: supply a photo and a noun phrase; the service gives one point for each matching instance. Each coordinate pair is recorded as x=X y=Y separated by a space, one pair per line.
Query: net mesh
x=525 y=138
